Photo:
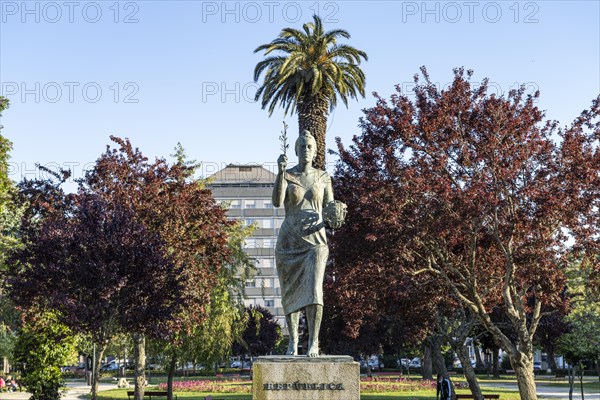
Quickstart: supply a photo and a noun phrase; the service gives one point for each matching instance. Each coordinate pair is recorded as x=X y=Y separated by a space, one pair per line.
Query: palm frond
x=309 y=64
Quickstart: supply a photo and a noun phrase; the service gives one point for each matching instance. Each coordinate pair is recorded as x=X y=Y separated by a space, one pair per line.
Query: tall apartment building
x=248 y=190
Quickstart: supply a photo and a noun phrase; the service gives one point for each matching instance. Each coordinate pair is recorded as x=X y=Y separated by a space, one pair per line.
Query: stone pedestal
x=305 y=378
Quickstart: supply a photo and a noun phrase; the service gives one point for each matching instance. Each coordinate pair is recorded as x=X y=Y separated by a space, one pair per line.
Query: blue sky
x=162 y=72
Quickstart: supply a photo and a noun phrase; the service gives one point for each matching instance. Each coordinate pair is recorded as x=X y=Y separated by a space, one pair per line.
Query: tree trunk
x=495 y=362
x=139 y=348
x=571 y=381
x=551 y=360
x=172 y=365
x=478 y=360
x=427 y=362
x=469 y=372
x=581 y=368
x=96 y=373
x=312 y=116
x=369 y=370
x=523 y=366
x=439 y=363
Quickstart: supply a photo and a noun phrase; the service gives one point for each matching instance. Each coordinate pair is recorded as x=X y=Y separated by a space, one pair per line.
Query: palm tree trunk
x=312 y=116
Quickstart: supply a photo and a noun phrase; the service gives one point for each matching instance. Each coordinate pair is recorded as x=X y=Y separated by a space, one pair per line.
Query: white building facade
x=248 y=190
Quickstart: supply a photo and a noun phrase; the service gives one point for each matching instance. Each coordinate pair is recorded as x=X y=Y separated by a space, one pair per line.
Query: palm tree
x=313 y=71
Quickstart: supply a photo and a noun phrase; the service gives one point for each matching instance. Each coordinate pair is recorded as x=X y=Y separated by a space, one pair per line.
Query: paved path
x=76 y=389
x=546 y=391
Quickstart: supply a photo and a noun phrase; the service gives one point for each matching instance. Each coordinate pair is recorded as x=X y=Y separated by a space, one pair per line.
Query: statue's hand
x=282 y=163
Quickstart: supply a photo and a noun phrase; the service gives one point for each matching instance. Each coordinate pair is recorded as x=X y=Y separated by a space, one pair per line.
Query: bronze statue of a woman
x=301 y=252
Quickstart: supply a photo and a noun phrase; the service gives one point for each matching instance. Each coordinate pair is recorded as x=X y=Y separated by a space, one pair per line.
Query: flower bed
x=367 y=385
x=218 y=386
x=383 y=385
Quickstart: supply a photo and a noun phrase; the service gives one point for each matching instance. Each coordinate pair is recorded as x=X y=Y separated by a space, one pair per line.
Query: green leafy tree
x=208 y=340
x=138 y=248
x=311 y=73
x=581 y=343
x=262 y=334
x=10 y=215
x=6 y=184
x=43 y=345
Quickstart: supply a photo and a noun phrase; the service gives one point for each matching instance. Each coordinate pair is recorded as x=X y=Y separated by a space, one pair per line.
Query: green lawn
x=417 y=394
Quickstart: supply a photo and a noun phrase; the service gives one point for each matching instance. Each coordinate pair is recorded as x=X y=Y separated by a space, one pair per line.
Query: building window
x=268 y=243
x=267 y=223
x=250 y=283
x=250 y=221
x=250 y=243
x=250 y=204
x=267 y=283
x=267 y=204
x=235 y=204
x=270 y=303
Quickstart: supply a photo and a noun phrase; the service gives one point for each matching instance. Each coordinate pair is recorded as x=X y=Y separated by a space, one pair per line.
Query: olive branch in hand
x=283 y=138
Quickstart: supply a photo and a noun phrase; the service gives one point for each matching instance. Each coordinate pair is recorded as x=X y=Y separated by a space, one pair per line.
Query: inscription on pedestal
x=305 y=378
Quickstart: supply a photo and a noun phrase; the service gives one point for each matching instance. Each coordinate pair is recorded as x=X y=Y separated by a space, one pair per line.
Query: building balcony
x=234 y=212
x=260 y=252
x=267 y=272
x=262 y=292
x=259 y=212
x=265 y=232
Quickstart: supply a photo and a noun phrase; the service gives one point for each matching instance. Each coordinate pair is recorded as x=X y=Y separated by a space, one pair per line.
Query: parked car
x=374 y=363
x=403 y=362
x=111 y=366
x=415 y=363
x=236 y=364
x=537 y=365
x=458 y=364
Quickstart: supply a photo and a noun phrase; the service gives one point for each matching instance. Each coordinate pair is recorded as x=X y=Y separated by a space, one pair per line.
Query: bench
x=470 y=396
x=386 y=374
x=150 y=393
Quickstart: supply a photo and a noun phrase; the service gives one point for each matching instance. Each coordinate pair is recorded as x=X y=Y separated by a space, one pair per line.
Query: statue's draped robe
x=301 y=252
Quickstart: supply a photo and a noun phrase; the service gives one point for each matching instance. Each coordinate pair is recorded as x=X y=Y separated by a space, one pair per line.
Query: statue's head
x=306 y=147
